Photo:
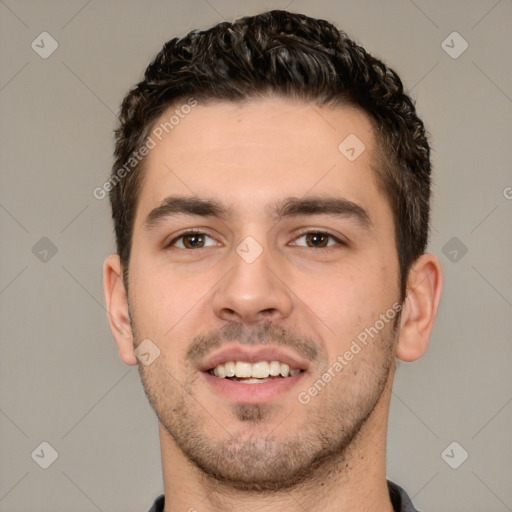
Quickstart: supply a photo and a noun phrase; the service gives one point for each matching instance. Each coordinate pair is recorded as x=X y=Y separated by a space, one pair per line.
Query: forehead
x=252 y=154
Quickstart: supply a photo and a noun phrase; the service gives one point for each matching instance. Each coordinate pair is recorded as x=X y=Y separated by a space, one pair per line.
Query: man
x=270 y=196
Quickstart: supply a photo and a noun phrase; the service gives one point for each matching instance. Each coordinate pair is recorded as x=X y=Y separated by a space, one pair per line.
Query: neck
x=355 y=482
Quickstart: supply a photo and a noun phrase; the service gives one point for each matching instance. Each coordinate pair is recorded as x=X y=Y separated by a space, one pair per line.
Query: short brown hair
x=290 y=55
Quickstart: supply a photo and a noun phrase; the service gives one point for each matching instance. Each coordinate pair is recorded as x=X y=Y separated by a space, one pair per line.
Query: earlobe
x=424 y=286
x=116 y=301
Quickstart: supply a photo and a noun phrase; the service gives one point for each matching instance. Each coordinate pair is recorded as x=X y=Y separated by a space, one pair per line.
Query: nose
x=253 y=291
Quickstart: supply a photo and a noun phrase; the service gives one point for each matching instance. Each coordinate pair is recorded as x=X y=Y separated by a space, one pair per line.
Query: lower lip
x=239 y=393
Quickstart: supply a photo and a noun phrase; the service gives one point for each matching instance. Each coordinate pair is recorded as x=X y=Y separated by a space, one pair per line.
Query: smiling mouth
x=253 y=373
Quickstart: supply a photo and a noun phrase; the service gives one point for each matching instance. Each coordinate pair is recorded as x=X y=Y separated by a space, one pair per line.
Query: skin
x=298 y=294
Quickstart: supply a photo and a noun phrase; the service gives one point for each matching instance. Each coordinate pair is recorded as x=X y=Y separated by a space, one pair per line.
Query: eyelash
x=315 y=232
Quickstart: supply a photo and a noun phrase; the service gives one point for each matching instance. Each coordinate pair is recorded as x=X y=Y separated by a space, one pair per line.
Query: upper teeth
x=259 y=370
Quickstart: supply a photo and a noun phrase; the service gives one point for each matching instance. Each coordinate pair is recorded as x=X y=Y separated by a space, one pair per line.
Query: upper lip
x=237 y=352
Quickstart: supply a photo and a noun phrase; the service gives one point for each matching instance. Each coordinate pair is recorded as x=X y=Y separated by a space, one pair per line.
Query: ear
x=116 y=300
x=424 y=286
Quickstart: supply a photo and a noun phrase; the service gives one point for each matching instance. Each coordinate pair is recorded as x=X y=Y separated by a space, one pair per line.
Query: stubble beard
x=291 y=453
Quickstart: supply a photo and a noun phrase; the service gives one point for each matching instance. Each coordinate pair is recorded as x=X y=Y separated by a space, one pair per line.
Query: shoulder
x=400 y=499
x=158 y=505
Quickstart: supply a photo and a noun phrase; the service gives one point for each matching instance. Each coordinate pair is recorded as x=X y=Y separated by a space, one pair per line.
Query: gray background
x=61 y=379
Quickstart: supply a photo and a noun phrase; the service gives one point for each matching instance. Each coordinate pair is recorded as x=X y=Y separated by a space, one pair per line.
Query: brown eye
x=317 y=239
x=192 y=240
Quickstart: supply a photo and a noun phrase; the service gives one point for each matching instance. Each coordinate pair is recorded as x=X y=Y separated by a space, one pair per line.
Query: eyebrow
x=290 y=207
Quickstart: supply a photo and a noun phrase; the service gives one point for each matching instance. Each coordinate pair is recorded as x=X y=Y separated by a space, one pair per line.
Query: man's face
x=280 y=277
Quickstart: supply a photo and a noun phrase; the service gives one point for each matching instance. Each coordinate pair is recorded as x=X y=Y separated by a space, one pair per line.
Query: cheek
x=348 y=300
x=165 y=302
x=155 y=299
